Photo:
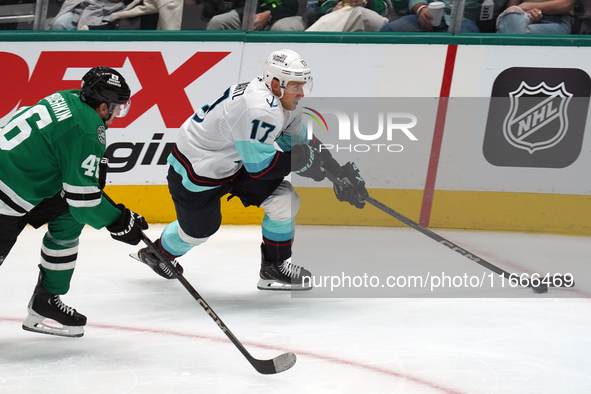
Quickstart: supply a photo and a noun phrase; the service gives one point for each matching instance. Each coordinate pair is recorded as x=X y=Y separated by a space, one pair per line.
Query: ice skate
x=283 y=275
x=47 y=306
x=149 y=258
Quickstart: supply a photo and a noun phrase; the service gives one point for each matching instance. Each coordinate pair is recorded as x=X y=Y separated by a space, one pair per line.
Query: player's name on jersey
x=59 y=106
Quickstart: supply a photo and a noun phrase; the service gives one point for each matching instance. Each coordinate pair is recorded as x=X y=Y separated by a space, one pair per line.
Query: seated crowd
x=488 y=16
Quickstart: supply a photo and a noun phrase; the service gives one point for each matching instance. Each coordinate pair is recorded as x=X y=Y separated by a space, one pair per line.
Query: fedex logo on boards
x=159 y=87
x=22 y=86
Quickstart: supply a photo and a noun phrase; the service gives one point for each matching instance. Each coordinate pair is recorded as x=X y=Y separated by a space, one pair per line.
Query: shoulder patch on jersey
x=101 y=135
x=272 y=102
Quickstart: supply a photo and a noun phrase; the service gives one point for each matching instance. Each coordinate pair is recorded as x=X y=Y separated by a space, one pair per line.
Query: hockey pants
x=199 y=213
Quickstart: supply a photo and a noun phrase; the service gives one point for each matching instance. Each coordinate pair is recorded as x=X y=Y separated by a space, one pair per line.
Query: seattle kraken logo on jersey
x=537 y=117
x=272 y=102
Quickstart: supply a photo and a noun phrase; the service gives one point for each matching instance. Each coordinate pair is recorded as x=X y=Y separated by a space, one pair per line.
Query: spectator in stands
x=400 y=9
x=421 y=20
x=351 y=15
x=273 y=15
x=79 y=14
x=537 y=17
x=211 y=8
x=170 y=12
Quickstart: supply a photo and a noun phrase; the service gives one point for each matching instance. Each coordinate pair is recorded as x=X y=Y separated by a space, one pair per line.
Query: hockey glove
x=307 y=161
x=355 y=192
x=128 y=227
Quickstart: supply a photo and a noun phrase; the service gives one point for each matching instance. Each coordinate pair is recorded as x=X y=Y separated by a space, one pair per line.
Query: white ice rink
x=148 y=335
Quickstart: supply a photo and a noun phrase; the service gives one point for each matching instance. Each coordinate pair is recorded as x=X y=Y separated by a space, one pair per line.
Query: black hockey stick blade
x=557 y=280
x=278 y=364
x=281 y=363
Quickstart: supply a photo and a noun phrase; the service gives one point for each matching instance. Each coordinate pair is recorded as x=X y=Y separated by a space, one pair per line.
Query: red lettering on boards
x=160 y=88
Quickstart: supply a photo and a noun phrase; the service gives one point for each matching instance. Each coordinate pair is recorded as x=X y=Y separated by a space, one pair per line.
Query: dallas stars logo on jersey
x=101 y=135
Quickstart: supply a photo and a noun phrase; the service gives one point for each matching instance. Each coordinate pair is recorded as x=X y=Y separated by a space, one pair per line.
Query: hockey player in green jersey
x=50 y=173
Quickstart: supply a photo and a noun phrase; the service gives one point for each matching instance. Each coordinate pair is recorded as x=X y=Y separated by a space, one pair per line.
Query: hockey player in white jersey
x=229 y=147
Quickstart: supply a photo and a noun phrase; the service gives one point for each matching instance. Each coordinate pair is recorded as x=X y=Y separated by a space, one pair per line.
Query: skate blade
x=35 y=324
x=136 y=256
x=273 y=285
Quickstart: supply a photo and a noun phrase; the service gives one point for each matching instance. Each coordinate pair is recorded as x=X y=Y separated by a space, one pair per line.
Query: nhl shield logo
x=537 y=117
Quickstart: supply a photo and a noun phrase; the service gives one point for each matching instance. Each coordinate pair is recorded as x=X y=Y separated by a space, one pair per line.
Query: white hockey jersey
x=240 y=129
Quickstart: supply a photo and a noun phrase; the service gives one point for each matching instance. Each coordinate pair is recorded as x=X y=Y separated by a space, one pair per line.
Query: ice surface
x=148 y=335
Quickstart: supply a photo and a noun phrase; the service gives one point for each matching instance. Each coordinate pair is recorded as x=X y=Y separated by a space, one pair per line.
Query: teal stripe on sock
x=171 y=242
x=278 y=230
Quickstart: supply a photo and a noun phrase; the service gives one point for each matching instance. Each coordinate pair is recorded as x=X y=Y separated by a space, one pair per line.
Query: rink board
x=476 y=180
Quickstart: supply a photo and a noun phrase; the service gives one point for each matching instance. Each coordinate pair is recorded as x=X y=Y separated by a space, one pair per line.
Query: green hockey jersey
x=53 y=145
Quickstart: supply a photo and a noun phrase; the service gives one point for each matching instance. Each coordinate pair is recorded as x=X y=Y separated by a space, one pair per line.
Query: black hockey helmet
x=105 y=85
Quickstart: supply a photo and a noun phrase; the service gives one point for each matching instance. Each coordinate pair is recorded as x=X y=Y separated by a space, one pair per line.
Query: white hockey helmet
x=286 y=65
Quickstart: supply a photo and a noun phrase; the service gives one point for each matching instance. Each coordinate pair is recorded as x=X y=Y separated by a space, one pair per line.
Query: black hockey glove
x=355 y=191
x=307 y=161
x=128 y=227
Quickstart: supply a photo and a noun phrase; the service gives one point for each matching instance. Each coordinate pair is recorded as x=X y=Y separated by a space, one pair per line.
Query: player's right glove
x=355 y=192
x=307 y=162
x=128 y=228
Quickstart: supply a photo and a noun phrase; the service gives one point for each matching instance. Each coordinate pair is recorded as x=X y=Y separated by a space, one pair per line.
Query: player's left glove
x=128 y=227
x=355 y=192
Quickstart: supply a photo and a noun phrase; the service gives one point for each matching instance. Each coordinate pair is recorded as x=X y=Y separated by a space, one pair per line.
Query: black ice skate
x=149 y=258
x=45 y=305
x=283 y=275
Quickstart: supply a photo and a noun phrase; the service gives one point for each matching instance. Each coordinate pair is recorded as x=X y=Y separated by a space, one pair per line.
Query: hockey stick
x=542 y=287
x=278 y=364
